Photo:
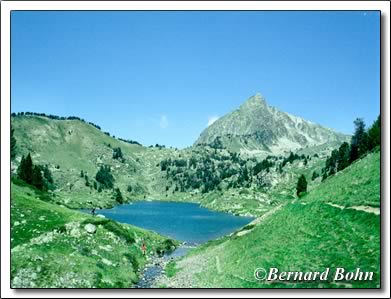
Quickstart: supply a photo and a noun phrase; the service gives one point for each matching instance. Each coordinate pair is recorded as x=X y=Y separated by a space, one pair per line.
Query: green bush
x=133 y=260
x=119 y=231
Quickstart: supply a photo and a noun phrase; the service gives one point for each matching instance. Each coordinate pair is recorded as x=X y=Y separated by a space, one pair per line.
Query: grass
x=296 y=238
x=50 y=247
x=27 y=210
x=171 y=269
x=304 y=235
x=356 y=185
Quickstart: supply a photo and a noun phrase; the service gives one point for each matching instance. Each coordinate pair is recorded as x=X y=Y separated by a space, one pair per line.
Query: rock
x=44 y=238
x=37 y=258
x=101 y=216
x=73 y=228
x=107 y=262
x=107 y=248
x=75 y=232
x=90 y=228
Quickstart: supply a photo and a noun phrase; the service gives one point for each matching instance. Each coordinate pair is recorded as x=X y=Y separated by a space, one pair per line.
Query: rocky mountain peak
x=254 y=102
x=257 y=128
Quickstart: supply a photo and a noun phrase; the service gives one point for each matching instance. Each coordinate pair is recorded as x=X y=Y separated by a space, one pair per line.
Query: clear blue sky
x=158 y=77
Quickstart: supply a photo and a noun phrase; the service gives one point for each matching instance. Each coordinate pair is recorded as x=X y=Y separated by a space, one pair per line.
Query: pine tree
x=374 y=134
x=359 y=144
x=47 y=174
x=25 y=169
x=343 y=156
x=118 y=196
x=324 y=176
x=305 y=162
x=301 y=185
x=37 y=179
x=13 y=144
x=331 y=162
x=104 y=177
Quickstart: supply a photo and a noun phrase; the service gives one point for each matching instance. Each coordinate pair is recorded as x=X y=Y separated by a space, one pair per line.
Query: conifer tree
x=359 y=144
x=118 y=196
x=301 y=185
x=343 y=156
x=25 y=169
x=13 y=144
x=37 y=179
x=374 y=134
x=104 y=177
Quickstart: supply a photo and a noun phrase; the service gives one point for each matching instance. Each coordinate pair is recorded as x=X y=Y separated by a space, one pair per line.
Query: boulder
x=90 y=228
x=107 y=262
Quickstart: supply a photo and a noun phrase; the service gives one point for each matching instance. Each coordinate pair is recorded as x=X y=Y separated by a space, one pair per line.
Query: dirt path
x=257 y=221
x=366 y=209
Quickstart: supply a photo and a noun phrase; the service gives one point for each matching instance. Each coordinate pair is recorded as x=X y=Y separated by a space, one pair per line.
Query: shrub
x=117 y=154
x=119 y=231
x=132 y=260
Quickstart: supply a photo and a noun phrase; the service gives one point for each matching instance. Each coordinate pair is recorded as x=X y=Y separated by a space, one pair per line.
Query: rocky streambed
x=154 y=269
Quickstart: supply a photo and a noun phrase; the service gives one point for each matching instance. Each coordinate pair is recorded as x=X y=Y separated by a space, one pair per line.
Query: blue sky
x=158 y=77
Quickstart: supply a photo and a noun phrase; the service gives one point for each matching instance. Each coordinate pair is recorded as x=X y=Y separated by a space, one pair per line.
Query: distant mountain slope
x=257 y=128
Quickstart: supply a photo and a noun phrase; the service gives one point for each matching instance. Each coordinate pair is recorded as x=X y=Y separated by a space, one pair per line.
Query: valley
x=247 y=163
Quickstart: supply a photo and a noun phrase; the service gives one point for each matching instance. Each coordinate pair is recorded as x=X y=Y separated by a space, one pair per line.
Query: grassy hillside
x=357 y=185
x=72 y=146
x=305 y=235
x=52 y=248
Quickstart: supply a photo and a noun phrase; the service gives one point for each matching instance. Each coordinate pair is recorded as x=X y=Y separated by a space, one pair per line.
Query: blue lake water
x=182 y=221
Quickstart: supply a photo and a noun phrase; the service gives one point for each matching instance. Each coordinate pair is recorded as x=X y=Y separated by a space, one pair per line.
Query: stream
x=156 y=265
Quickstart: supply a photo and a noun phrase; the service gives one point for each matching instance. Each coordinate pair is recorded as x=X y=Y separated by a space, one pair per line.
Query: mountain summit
x=257 y=128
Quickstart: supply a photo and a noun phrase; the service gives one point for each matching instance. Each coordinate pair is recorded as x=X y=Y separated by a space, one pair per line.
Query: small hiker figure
x=93 y=211
x=144 y=248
